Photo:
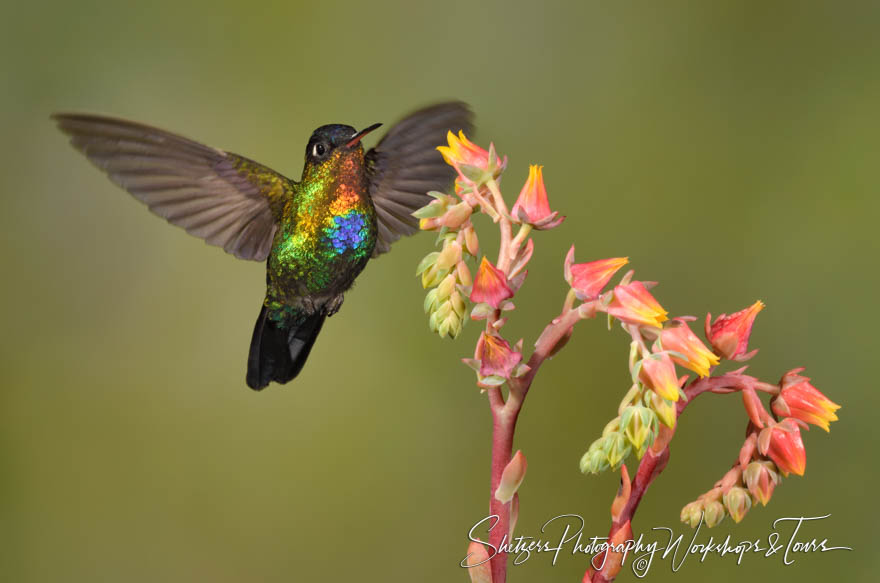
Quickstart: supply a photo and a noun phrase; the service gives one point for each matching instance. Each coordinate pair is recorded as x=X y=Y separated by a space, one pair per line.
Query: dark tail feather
x=279 y=353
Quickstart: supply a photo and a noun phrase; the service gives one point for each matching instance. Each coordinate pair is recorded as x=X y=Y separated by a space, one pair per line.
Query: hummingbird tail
x=278 y=351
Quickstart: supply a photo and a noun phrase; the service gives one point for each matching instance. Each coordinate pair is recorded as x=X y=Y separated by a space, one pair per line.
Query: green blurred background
x=729 y=149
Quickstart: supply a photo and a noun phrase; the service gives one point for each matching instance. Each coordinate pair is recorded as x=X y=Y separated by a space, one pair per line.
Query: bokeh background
x=729 y=149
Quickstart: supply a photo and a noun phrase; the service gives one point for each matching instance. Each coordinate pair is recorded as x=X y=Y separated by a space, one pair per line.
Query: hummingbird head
x=334 y=138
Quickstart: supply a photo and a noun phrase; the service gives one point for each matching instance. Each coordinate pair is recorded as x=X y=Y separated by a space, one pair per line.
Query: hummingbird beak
x=357 y=137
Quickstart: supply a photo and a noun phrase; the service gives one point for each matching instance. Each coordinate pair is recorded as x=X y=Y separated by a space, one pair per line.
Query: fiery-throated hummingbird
x=316 y=235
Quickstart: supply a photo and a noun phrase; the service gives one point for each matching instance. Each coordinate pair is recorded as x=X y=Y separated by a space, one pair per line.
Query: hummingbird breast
x=327 y=235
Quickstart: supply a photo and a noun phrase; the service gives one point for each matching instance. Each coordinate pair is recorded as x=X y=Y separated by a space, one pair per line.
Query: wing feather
x=405 y=165
x=226 y=199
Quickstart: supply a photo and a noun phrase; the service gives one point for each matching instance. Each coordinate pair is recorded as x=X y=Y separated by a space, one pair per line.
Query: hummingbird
x=315 y=235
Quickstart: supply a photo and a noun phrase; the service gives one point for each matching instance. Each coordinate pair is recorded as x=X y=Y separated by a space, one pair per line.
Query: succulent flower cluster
x=657 y=395
x=487 y=297
x=773 y=448
x=446 y=274
x=662 y=351
x=657 y=346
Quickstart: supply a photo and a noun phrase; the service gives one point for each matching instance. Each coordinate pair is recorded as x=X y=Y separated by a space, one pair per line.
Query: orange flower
x=472 y=162
x=801 y=400
x=588 y=279
x=633 y=304
x=658 y=374
x=532 y=206
x=490 y=285
x=782 y=443
x=681 y=339
x=729 y=335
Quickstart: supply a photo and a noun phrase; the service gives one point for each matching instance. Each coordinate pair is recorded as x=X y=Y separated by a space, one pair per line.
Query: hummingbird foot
x=334 y=304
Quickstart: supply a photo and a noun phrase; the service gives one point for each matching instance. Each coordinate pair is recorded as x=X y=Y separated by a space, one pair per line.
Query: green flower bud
x=761 y=477
x=738 y=502
x=664 y=409
x=431 y=301
x=446 y=287
x=595 y=460
x=692 y=513
x=616 y=448
x=639 y=424
x=713 y=513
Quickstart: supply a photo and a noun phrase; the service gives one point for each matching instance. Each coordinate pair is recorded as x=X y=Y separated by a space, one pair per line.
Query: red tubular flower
x=681 y=339
x=633 y=304
x=496 y=356
x=801 y=400
x=729 y=335
x=782 y=443
x=532 y=206
x=658 y=373
x=588 y=279
x=490 y=285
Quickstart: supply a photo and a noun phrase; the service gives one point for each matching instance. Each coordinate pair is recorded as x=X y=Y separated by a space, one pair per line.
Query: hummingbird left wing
x=405 y=165
x=221 y=197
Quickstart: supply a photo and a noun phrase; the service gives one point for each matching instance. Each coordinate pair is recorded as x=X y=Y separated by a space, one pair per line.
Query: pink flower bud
x=456 y=215
x=747 y=451
x=471 y=242
x=490 y=285
x=511 y=478
x=729 y=335
x=496 y=357
x=463 y=274
x=588 y=279
x=522 y=258
x=477 y=563
x=754 y=406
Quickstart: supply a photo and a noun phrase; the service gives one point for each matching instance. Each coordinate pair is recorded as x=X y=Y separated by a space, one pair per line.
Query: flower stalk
x=647 y=417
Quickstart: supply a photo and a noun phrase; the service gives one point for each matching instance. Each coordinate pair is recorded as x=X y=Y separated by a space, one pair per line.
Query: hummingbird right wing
x=405 y=165
x=221 y=197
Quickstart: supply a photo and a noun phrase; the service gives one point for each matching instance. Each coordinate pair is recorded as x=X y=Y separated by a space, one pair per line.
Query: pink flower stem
x=656 y=458
x=503 y=426
x=504 y=252
x=504 y=416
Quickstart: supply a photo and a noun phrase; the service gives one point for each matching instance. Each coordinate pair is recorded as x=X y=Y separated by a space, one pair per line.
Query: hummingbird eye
x=318 y=150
